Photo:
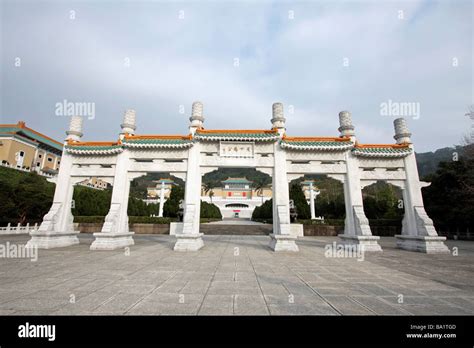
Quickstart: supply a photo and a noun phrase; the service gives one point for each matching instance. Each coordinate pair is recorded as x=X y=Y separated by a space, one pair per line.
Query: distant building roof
x=166 y=181
x=21 y=130
x=236 y=181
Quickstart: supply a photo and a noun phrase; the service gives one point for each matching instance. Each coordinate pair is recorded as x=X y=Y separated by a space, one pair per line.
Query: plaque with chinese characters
x=236 y=149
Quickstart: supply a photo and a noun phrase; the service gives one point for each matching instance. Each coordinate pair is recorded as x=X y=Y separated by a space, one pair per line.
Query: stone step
x=209 y=229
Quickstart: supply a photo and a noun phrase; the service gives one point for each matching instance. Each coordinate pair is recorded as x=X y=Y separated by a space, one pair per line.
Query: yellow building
x=24 y=148
x=162 y=187
x=94 y=183
x=237 y=188
x=236 y=198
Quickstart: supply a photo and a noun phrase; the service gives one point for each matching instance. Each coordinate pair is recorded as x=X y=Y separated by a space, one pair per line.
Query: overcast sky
x=321 y=57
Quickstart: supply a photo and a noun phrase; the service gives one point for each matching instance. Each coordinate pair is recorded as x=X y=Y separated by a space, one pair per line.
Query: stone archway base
x=283 y=242
x=424 y=244
x=112 y=241
x=48 y=240
x=188 y=242
x=367 y=243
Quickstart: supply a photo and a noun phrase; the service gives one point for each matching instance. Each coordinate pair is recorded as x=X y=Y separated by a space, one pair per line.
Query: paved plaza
x=235 y=275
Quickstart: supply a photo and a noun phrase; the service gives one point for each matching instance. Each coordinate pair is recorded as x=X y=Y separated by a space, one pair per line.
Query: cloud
x=296 y=61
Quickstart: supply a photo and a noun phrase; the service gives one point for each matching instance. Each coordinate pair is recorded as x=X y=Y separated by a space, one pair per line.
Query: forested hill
x=428 y=161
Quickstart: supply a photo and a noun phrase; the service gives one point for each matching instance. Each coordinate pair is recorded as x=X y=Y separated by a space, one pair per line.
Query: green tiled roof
x=157 y=141
x=25 y=132
x=240 y=135
x=93 y=148
x=237 y=135
x=382 y=151
x=316 y=144
x=166 y=181
x=237 y=181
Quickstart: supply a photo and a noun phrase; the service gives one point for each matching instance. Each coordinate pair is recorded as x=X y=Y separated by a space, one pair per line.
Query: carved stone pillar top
x=402 y=134
x=345 y=122
x=197 y=118
x=75 y=128
x=129 y=122
x=278 y=119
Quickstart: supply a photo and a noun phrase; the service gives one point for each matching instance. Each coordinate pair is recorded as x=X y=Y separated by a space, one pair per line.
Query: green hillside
x=428 y=161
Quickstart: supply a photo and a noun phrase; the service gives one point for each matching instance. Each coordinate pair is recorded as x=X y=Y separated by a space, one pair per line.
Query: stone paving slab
x=235 y=275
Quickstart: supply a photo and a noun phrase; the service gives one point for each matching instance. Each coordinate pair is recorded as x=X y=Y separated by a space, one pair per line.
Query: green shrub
x=299 y=200
x=263 y=212
x=171 y=207
x=149 y=220
x=210 y=211
x=89 y=219
x=329 y=222
x=131 y=219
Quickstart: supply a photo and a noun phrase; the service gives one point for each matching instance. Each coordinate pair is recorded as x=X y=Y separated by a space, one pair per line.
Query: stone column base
x=49 y=240
x=424 y=244
x=112 y=241
x=188 y=242
x=176 y=228
x=366 y=243
x=283 y=242
x=297 y=230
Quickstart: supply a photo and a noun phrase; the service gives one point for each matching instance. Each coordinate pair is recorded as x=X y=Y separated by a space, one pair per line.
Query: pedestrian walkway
x=235 y=275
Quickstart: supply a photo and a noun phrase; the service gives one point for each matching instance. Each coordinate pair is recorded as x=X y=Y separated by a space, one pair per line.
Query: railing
x=455 y=232
x=18 y=229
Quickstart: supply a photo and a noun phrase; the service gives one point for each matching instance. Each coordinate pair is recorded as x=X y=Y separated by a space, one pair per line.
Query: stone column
x=189 y=238
x=115 y=232
x=418 y=232
x=43 y=162
x=55 y=162
x=311 y=202
x=281 y=238
x=162 y=199
x=57 y=229
x=356 y=226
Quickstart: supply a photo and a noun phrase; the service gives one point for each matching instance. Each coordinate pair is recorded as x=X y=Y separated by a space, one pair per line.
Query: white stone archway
x=270 y=151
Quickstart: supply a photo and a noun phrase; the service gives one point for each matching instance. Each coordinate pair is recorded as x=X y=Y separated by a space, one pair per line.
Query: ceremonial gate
x=271 y=151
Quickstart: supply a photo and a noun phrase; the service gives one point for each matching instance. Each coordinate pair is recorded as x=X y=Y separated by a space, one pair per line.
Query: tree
x=449 y=200
x=32 y=198
x=208 y=188
x=301 y=205
x=7 y=204
x=259 y=185
x=91 y=202
x=171 y=207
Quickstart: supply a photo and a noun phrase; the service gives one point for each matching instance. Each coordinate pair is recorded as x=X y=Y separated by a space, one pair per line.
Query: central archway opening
x=236 y=192
x=384 y=207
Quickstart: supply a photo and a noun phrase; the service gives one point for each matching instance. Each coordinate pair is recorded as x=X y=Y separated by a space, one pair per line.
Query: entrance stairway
x=235 y=227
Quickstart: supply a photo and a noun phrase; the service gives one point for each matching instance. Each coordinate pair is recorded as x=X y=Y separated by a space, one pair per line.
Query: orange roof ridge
x=236 y=131
x=22 y=125
x=395 y=146
x=44 y=136
x=8 y=125
x=316 y=138
x=154 y=136
x=94 y=143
